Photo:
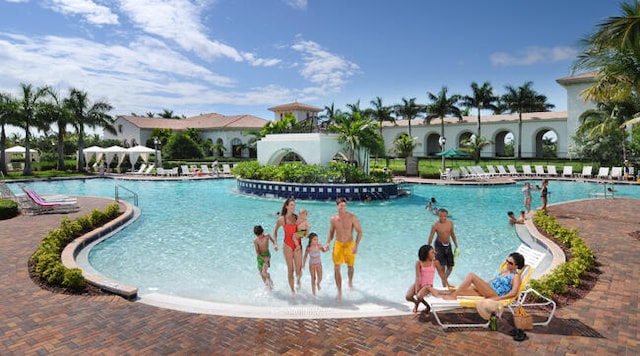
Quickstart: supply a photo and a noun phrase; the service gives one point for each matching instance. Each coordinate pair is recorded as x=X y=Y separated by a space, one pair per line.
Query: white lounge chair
x=512 y=170
x=205 y=169
x=36 y=205
x=492 y=171
x=149 y=170
x=185 y=170
x=603 y=173
x=586 y=172
x=439 y=305
x=616 y=173
x=567 y=171
x=526 y=170
x=540 y=171
x=481 y=173
x=140 y=170
x=551 y=171
x=502 y=171
x=226 y=169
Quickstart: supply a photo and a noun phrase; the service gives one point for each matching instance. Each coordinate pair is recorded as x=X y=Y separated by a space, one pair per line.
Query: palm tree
x=600 y=131
x=358 y=134
x=86 y=114
x=330 y=114
x=521 y=100
x=442 y=106
x=482 y=98
x=59 y=114
x=404 y=145
x=474 y=146
x=613 y=50
x=408 y=110
x=29 y=117
x=8 y=116
x=380 y=112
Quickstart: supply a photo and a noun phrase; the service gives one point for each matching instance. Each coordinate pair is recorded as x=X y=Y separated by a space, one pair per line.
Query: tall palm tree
x=408 y=110
x=358 y=134
x=8 y=116
x=481 y=98
x=330 y=114
x=29 y=117
x=442 y=106
x=58 y=113
x=87 y=114
x=380 y=113
x=521 y=100
x=613 y=50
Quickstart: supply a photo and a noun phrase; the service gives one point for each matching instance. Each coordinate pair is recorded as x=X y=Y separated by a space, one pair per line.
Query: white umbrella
x=90 y=151
x=113 y=151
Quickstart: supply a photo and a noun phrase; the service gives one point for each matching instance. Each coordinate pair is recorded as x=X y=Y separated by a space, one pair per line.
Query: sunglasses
x=509 y=262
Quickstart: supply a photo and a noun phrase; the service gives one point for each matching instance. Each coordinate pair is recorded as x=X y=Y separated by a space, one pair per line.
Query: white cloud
x=323 y=68
x=92 y=12
x=533 y=55
x=297 y=4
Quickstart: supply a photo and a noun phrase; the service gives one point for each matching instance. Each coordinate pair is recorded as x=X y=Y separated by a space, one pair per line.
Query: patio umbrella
x=452 y=153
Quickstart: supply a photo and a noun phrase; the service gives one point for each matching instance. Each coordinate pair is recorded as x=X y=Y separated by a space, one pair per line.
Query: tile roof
x=205 y=121
x=295 y=106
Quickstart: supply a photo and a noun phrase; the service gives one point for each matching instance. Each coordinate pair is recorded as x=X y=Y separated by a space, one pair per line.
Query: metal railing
x=133 y=194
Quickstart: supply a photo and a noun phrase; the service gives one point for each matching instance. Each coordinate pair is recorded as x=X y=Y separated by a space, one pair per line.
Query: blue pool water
x=194 y=238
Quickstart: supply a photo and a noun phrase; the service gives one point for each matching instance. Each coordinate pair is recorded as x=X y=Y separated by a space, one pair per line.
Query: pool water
x=194 y=238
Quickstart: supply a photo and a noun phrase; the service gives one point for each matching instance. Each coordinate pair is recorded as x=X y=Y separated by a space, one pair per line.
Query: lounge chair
x=616 y=173
x=48 y=198
x=481 y=173
x=226 y=169
x=185 y=170
x=439 y=305
x=586 y=172
x=512 y=170
x=36 y=205
x=567 y=171
x=502 y=171
x=540 y=171
x=205 y=169
x=526 y=170
x=603 y=173
x=492 y=171
x=551 y=171
x=140 y=170
x=149 y=170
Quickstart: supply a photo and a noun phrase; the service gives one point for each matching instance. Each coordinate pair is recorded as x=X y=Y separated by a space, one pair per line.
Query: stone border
x=72 y=250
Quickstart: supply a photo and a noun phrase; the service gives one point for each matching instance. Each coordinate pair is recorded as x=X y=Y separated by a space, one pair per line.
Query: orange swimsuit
x=289 y=230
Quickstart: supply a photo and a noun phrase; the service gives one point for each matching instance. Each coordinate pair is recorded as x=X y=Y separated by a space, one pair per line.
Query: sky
x=243 y=56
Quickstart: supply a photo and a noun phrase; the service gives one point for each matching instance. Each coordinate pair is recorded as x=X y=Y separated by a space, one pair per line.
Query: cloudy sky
x=243 y=56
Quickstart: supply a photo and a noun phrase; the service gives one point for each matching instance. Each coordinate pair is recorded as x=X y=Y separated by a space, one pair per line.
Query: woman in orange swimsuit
x=292 y=251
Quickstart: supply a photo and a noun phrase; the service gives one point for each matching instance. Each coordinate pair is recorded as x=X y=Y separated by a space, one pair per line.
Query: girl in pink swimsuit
x=313 y=250
x=426 y=267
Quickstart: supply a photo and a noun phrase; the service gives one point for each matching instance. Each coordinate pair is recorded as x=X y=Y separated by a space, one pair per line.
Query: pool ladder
x=133 y=194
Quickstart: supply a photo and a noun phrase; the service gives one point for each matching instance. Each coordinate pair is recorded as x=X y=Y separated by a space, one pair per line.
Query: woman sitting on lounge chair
x=505 y=285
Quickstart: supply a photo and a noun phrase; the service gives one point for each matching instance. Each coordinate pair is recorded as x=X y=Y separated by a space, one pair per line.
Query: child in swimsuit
x=315 y=264
x=426 y=268
x=263 y=256
x=302 y=228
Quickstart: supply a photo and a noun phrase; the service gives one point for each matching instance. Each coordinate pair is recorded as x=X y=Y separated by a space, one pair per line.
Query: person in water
x=504 y=285
x=293 y=257
x=263 y=256
x=313 y=250
x=426 y=268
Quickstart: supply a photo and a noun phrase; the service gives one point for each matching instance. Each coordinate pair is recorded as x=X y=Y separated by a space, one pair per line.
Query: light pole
x=442 y=141
x=156 y=143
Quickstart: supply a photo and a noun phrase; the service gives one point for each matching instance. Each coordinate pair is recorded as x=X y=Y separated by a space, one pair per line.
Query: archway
x=285 y=155
x=433 y=144
x=546 y=144
x=503 y=144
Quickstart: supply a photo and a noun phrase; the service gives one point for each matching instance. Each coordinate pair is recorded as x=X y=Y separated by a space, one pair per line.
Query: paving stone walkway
x=37 y=322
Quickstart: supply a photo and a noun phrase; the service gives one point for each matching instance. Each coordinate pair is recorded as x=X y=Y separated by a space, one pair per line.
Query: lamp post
x=156 y=143
x=442 y=141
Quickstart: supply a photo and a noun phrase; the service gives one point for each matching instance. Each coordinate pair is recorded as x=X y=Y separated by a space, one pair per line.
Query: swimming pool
x=194 y=240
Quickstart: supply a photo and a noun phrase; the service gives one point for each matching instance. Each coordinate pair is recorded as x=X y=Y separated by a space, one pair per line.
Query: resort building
x=232 y=131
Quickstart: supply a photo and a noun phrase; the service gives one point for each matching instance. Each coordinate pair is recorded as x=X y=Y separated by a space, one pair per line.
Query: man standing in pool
x=444 y=254
x=342 y=225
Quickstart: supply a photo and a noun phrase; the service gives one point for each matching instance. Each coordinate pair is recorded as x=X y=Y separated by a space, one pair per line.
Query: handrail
x=134 y=195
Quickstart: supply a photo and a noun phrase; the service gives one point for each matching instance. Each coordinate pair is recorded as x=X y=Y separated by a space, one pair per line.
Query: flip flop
x=520 y=335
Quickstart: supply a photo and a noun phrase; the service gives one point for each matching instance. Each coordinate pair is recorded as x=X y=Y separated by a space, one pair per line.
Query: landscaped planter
x=363 y=191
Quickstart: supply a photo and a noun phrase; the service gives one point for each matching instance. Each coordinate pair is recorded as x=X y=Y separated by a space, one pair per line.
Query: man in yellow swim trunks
x=342 y=225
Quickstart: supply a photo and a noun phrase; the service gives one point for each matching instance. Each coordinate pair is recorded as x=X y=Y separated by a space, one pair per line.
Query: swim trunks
x=261 y=260
x=342 y=253
x=444 y=254
x=289 y=230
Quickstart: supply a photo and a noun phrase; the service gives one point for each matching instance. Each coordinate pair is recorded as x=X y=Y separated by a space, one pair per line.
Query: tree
x=58 y=113
x=181 y=146
x=474 y=145
x=29 y=117
x=84 y=113
x=358 y=134
x=380 y=113
x=404 y=145
x=522 y=100
x=8 y=116
x=600 y=132
x=442 y=106
x=481 y=98
x=330 y=114
x=408 y=110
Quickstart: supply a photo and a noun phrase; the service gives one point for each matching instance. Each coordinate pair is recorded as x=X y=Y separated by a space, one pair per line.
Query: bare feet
x=318 y=286
x=415 y=308
x=298 y=281
x=339 y=297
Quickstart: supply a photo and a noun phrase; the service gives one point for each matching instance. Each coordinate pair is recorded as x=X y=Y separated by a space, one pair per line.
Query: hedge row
x=336 y=172
x=568 y=273
x=8 y=209
x=46 y=260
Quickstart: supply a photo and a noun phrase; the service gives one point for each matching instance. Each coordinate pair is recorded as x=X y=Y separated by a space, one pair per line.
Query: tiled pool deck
x=37 y=322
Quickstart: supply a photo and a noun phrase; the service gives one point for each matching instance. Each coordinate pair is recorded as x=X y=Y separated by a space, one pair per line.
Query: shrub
x=8 y=209
x=339 y=172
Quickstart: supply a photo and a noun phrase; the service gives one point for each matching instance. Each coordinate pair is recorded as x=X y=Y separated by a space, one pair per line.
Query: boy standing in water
x=263 y=256
x=444 y=253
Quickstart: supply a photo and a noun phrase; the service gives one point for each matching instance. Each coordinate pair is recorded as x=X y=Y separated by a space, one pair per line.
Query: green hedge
x=8 y=209
x=46 y=259
x=337 y=172
x=568 y=273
